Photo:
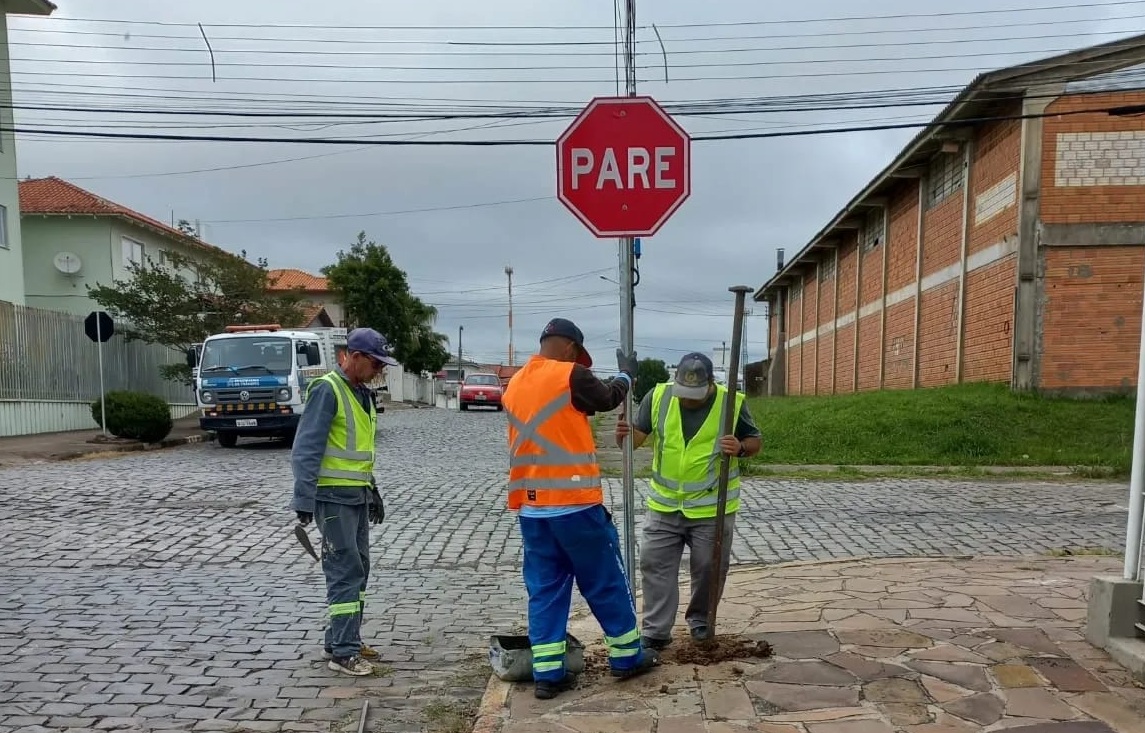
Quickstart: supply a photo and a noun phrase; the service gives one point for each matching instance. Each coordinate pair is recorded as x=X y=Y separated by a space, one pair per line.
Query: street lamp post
x=509 y=273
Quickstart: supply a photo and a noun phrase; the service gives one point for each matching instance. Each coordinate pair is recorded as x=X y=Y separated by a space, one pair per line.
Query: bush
x=135 y=415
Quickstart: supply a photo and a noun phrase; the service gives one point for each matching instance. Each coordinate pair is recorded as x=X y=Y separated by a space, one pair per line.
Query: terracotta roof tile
x=310 y=313
x=54 y=195
x=289 y=279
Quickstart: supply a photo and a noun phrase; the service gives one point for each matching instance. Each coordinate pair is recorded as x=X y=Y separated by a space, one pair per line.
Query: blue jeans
x=585 y=547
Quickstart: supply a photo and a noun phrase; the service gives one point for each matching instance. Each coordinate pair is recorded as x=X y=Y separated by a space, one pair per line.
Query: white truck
x=250 y=381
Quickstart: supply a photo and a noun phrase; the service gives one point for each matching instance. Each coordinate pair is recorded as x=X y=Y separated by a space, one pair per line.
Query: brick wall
x=1091 y=317
x=1093 y=167
x=826 y=325
x=988 y=343
x=899 y=347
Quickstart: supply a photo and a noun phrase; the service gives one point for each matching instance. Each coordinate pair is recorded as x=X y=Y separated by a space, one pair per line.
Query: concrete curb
x=494 y=707
x=132 y=447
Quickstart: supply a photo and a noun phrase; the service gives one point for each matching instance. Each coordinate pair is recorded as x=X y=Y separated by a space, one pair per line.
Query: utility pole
x=627 y=306
x=460 y=329
x=509 y=273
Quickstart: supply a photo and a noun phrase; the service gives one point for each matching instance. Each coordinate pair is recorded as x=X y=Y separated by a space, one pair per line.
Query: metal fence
x=45 y=355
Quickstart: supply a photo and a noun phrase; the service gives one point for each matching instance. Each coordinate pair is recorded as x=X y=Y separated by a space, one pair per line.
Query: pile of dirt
x=685 y=651
x=714 y=651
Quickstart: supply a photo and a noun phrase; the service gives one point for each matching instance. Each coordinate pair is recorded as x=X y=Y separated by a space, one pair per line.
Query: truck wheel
x=228 y=440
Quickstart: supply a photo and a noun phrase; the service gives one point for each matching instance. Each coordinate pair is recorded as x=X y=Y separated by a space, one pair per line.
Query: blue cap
x=694 y=375
x=372 y=344
x=567 y=329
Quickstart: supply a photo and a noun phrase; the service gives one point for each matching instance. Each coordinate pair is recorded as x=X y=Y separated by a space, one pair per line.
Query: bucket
x=511 y=657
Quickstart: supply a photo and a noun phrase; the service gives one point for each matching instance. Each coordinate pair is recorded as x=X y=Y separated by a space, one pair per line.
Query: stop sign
x=623 y=166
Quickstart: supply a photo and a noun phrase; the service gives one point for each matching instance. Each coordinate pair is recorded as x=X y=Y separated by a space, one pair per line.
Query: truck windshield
x=248 y=355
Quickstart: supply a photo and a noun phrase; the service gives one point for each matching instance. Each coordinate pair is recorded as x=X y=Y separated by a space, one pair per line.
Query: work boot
x=658 y=644
x=353 y=666
x=650 y=660
x=545 y=690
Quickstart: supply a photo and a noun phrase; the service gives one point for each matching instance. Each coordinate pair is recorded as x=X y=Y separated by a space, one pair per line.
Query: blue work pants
x=345 y=530
x=583 y=546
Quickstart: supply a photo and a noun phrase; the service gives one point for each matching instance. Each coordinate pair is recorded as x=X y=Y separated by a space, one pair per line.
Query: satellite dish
x=68 y=263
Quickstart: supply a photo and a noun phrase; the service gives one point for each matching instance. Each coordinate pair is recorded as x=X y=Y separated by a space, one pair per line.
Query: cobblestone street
x=165 y=590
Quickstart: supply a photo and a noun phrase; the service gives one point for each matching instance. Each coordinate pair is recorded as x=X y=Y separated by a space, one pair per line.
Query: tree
x=649 y=373
x=183 y=300
x=375 y=293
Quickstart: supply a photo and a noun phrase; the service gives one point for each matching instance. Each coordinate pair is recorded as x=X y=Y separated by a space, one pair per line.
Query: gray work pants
x=662 y=547
x=345 y=532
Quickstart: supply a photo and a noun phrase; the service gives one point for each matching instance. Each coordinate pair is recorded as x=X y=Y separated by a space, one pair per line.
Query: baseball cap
x=372 y=344
x=693 y=375
x=568 y=329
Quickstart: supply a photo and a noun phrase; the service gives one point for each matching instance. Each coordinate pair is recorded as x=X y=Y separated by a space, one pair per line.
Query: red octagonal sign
x=623 y=166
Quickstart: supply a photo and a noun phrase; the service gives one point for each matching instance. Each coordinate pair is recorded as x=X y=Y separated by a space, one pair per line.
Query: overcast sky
x=441 y=211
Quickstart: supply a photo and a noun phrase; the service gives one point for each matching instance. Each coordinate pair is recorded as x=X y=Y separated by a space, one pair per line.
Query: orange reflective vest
x=552 y=454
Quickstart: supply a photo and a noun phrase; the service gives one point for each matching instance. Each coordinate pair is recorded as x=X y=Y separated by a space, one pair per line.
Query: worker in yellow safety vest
x=554 y=484
x=685 y=419
x=333 y=463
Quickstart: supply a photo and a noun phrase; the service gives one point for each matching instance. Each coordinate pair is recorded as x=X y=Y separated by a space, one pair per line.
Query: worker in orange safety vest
x=555 y=485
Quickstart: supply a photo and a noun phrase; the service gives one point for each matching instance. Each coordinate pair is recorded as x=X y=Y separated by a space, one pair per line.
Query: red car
x=481 y=390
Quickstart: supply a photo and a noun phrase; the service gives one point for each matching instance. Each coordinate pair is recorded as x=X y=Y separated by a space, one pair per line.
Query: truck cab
x=251 y=381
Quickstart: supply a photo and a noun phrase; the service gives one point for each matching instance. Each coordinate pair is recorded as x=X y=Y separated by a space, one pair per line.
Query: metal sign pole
x=626 y=343
x=627 y=326
x=99 y=352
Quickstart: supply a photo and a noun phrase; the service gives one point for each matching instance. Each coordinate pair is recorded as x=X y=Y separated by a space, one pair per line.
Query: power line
x=524 y=143
x=560 y=67
x=198 y=51
x=836 y=19
x=654 y=42
x=550 y=81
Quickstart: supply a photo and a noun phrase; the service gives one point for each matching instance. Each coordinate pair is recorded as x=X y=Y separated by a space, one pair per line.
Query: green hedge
x=135 y=415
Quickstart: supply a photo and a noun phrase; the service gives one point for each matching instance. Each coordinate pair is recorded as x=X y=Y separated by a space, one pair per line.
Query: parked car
x=481 y=390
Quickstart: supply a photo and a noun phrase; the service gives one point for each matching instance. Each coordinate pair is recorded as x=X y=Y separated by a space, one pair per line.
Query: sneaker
x=365 y=652
x=545 y=690
x=354 y=666
x=657 y=644
x=651 y=659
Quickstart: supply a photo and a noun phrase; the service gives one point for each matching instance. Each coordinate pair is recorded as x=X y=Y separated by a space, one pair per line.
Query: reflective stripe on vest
x=349 y=456
x=693 y=488
x=552 y=453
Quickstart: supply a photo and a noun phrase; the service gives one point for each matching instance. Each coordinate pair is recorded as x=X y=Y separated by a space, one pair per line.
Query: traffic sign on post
x=98 y=326
x=623 y=167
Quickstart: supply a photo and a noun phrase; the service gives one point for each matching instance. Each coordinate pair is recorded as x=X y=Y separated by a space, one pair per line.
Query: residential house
x=11 y=249
x=1004 y=243
x=315 y=291
x=74 y=238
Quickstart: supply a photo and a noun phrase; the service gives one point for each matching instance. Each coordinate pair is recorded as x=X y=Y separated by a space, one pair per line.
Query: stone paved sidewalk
x=45 y=447
x=868 y=646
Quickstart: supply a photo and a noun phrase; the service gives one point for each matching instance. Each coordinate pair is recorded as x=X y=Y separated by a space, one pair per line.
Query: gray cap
x=694 y=374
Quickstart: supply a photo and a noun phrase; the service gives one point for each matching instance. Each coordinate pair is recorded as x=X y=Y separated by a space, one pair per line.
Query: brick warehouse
x=1031 y=274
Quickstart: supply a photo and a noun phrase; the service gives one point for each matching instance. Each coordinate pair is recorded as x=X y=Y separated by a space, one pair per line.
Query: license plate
x=248 y=423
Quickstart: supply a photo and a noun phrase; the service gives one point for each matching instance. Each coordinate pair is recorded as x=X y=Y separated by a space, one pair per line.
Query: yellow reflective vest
x=685 y=476
x=349 y=457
